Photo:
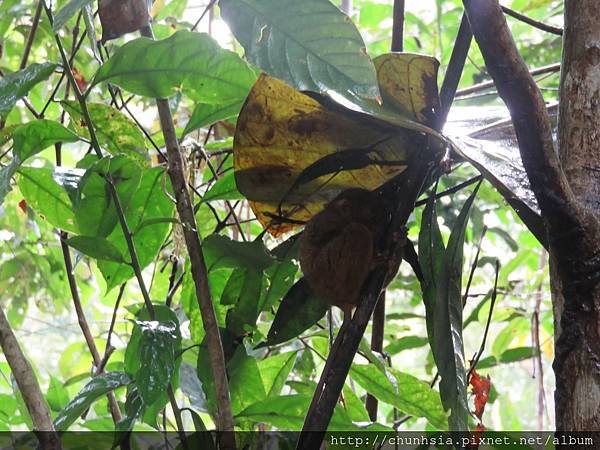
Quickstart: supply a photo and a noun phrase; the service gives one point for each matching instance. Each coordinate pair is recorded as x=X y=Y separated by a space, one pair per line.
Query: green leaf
x=431 y=260
x=96 y=247
x=220 y=251
x=224 y=189
x=160 y=341
x=95 y=209
x=66 y=12
x=37 y=135
x=245 y=382
x=193 y=62
x=509 y=356
x=148 y=202
x=274 y=371
x=96 y=388
x=299 y=310
x=6 y=174
x=132 y=352
x=407 y=393
x=287 y=412
x=242 y=317
x=47 y=196
x=405 y=343
x=16 y=85
x=310 y=44
x=280 y=278
x=206 y=114
x=57 y=395
x=517 y=327
x=134 y=406
x=448 y=350
x=116 y=132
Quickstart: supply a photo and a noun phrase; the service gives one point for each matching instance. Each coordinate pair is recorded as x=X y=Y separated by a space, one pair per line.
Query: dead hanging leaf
x=293 y=154
x=119 y=17
x=481 y=389
x=408 y=84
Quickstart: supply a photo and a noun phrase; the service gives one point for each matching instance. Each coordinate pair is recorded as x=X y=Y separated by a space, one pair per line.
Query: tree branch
x=198 y=267
x=31 y=37
x=398 y=26
x=85 y=329
x=462 y=44
x=573 y=233
x=28 y=386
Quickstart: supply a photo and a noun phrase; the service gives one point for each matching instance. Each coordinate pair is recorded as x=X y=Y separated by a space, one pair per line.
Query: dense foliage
x=54 y=189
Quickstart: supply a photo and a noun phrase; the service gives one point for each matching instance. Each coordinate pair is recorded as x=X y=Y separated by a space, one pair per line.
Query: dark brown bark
x=566 y=199
x=576 y=367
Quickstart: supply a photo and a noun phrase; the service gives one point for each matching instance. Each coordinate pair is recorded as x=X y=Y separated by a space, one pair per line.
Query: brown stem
x=198 y=267
x=85 y=329
x=398 y=26
x=377 y=346
x=31 y=37
x=28 y=386
x=379 y=314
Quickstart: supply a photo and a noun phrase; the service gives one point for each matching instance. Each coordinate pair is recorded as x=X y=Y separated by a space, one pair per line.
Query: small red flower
x=23 y=205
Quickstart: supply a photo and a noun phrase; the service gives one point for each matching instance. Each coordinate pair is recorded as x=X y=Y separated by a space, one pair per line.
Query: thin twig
x=113 y=321
x=534 y=23
x=535 y=337
x=207 y=9
x=31 y=37
x=551 y=68
x=85 y=329
x=452 y=190
x=473 y=267
x=487 y=324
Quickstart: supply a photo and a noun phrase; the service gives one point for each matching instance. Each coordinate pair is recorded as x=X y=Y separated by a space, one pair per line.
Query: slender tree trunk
x=577 y=335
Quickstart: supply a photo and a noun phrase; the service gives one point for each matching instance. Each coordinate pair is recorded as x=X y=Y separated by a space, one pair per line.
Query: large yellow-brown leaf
x=282 y=134
x=408 y=84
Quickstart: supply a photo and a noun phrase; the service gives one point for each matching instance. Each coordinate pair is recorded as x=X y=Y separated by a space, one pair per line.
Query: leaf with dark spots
x=282 y=132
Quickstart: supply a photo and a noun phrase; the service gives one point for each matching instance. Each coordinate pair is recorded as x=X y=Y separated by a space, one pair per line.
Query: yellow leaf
x=281 y=132
x=408 y=84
